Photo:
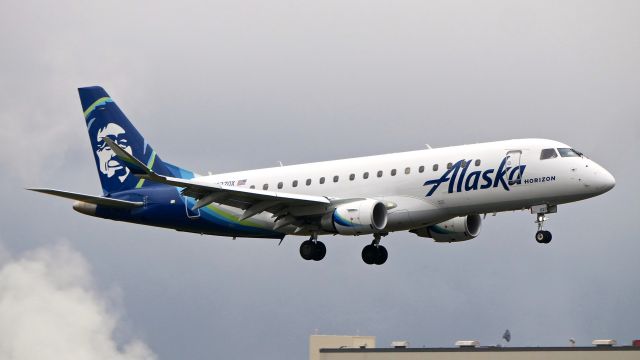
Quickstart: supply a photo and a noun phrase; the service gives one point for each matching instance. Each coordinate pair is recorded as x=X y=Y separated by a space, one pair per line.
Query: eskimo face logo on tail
x=459 y=180
x=108 y=162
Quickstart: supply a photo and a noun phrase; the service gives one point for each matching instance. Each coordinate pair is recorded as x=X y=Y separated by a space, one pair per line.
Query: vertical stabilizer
x=105 y=119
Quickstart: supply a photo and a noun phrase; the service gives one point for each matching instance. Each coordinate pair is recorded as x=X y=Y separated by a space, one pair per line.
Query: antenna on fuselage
x=428 y=146
x=280 y=162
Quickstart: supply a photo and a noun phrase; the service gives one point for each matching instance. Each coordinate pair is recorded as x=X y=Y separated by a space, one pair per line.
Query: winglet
x=136 y=166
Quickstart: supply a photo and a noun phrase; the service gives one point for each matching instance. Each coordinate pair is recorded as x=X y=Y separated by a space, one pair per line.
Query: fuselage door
x=514 y=157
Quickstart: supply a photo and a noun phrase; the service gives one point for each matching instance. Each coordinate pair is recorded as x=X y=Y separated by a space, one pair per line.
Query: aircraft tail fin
x=105 y=120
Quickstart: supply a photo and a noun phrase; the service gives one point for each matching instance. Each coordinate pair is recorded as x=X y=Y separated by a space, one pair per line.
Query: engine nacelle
x=355 y=218
x=461 y=228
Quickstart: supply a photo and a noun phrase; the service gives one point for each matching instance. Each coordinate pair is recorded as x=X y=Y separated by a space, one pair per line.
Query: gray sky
x=230 y=85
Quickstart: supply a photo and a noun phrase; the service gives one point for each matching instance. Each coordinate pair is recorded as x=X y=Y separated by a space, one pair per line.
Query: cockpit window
x=566 y=152
x=548 y=154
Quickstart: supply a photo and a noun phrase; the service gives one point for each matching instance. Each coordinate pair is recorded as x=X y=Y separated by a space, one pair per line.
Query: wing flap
x=243 y=198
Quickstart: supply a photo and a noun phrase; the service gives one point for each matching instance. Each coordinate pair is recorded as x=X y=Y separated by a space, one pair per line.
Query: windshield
x=548 y=154
x=566 y=152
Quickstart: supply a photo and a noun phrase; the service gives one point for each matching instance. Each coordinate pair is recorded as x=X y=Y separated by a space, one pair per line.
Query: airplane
x=437 y=193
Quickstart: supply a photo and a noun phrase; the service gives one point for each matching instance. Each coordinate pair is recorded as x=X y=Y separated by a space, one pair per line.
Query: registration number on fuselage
x=233 y=182
x=228 y=183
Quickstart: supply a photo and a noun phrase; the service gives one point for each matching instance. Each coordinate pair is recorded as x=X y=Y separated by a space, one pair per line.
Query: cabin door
x=514 y=158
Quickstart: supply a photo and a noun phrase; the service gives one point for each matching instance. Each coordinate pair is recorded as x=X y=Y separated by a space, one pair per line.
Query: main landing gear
x=313 y=249
x=543 y=236
x=375 y=253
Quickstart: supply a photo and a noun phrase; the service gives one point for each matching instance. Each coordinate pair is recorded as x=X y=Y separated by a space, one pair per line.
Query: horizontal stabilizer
x=98 y=200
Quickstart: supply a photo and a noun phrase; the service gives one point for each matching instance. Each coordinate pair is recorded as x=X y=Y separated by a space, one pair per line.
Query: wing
x=287 y=208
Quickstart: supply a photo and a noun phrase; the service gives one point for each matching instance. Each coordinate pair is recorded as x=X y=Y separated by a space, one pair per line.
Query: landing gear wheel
x=313 y=250
x=369 y=254
x=319 y=251
x=543 y=236
x=382 y=255
x=307 y=249
x=372 y=254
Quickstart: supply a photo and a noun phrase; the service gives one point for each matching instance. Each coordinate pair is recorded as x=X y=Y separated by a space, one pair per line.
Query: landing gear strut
x=375 y=253
x=313 y=249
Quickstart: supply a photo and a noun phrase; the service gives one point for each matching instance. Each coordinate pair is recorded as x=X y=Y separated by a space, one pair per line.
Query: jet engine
x=461 y=228
x=355 y=218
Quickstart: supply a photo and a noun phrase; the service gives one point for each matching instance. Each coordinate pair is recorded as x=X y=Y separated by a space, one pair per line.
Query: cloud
x=49 y=308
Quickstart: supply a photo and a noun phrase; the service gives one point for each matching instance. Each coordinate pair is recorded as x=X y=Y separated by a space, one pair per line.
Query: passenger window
x=435 y=167
x=449 y=166
x=464 y=163
x=308 y=182
x=478 y=162
x=295 y=183
x=407 y=170
x=352 y=177
x=421 y=169
x=566 y=152
x=265 y=187
x=365 y=175
x=393 y=172
x=548 y=154
x=252 y=187
x=280 y=185
x=336 y=178
x=379 y=173
x=322 y=180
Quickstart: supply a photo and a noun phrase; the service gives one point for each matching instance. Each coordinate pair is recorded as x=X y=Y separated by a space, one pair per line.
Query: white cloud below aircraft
x=436 y=193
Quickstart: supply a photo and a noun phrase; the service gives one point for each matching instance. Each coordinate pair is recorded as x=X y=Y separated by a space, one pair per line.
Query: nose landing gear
x=543 y=236
x=375 y=253
x=313 y=249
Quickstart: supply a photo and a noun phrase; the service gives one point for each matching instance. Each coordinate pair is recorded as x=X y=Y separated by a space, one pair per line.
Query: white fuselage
x=499 y=176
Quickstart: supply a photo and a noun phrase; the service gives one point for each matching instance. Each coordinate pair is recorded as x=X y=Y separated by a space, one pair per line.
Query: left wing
x=287 y=208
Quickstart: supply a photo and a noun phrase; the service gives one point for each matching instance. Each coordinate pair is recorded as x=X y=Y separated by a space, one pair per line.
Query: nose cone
x=603 y=180
x=608 y=181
